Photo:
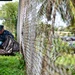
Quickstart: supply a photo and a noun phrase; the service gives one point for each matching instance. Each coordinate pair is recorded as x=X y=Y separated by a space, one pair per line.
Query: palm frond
x=73 y=1
x=41 y=11
x=49 y=10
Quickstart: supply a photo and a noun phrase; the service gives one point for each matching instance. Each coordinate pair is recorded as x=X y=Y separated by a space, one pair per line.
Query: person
x=7 y=41
x=3 y=35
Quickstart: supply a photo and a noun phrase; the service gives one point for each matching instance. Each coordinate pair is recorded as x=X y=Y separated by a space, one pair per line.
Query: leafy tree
x=66 y=8
x=9 y=14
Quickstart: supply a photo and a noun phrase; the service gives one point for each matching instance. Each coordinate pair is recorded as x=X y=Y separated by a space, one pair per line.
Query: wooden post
x=20 y=19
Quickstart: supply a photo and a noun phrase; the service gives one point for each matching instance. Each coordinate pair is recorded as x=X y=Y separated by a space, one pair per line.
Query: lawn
x=12 y=65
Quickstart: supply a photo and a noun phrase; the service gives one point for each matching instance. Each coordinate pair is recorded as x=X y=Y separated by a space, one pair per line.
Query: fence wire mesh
x=45 y=48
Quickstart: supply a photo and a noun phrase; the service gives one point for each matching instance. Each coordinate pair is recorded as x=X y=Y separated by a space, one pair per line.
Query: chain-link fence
x=45 y=48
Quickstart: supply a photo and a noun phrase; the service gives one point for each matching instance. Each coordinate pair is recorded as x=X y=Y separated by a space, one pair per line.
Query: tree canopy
x=9 y=15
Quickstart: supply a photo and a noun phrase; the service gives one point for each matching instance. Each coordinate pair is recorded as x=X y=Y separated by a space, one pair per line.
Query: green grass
x=12 y=65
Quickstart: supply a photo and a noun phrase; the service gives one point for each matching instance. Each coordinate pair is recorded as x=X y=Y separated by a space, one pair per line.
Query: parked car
x=67 y=38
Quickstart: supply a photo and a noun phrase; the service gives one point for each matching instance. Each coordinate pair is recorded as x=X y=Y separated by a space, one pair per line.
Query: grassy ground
x=12 y=65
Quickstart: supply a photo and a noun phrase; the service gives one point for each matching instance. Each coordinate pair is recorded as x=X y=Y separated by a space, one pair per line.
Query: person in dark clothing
x=8 y=45
x=4 y=34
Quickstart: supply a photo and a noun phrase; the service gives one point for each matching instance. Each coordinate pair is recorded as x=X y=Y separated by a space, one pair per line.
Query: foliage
x=60 y=51
x=48 y=6
x=65 y=54
x=73 y=1
x=71 y=27
x=66 y=8
x=42 y=37
x=67 y=60
x=9 y=14
x=64 y=47
x=12 y=65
